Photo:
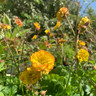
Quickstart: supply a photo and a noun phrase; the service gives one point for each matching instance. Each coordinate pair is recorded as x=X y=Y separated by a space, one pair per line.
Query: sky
x=93 y=5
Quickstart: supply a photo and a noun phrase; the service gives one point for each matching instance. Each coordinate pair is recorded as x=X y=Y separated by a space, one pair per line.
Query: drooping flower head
x=57 y=26
x=29 y=76
x=82 y=55
x=84 y=23
x=62 y=13
x=43 y=61
x=37 y=26
x=18 y=21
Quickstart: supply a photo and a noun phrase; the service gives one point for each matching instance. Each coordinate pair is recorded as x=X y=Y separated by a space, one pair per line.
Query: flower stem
x=70 y=25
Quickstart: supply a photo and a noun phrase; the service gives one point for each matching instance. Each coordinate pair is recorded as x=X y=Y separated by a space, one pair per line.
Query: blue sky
x=93 y=5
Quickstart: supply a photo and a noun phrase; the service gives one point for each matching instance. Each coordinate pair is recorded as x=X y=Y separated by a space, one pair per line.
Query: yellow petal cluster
x=47 y=31
x=82 y=55
x=57 y=26
x=34 y=37
x=84 y=22
x=37 y=26
x=62 y=13
x=42 y=61
x=29 y=76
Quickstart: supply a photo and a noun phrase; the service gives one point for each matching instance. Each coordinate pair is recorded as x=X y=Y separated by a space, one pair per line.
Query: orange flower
x=57 y=26
x=29 y=76
x=46 y=43
x=82 y=44
x=43 y=61
x=4 y=26
x=34 y=37
x=37 y=26
x=50 y=45
x=18 y=21
x=61 y=41
x=94 y=67
x=61 y=13
x=50 y=34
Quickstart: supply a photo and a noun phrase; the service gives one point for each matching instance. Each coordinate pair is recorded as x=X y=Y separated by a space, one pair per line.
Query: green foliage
x=2 y=66
x=1 y=94
x=6 y=20
x=17 y=45
x=54 y=84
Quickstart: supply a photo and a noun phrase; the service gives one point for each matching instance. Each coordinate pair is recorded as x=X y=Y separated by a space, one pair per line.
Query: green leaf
x=88 y=89
x=1 y=94
x=37 y=1
x=1 y=66
x=8 y=34
x=6 y=20
x=60 y=71
x=1 y=49
x=1 y=87
x=26 y=15
x=21 y=33
x=16 y=31
x=53 y=83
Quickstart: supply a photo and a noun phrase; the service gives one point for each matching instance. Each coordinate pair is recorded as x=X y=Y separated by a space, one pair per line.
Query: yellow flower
x=84 y=22
x=47 y=31
x=57 y=26
x=8 y=26
x=61 y=13
x=37 y=26
x=43 y=61
x=34 y=37
x=20 y=51
x=82 y=55
x=29 y=76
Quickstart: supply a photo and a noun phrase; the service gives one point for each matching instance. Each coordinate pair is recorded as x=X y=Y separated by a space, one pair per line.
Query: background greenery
x=63 y=80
